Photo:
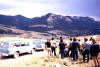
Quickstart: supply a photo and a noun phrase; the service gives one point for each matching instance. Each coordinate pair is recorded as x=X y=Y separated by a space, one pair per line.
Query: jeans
x=91 y=54
x=66 y=53
x=86 y=52
x=62 y=54
x=81 y=51
x=75 y=55
x=53 y=49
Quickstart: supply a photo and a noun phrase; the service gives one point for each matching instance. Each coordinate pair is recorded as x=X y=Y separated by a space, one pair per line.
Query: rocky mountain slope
x=53 y=24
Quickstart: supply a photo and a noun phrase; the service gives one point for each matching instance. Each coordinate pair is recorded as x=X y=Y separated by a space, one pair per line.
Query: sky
x=37 y=8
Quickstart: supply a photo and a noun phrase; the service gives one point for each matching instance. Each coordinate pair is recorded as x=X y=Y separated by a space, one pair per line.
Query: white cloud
x=96 y=18
x=29 y=9
x=26 y=11
x=34 y=8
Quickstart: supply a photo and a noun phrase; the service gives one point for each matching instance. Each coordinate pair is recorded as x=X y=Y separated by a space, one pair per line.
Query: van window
x=36 y=42
x=22 y=44
x=4 y=44
x=13 y=45
x=17 y=44
x=43 y=42
x=25 y=44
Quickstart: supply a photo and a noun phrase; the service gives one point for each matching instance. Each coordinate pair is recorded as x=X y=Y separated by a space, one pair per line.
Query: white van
x=15 y=47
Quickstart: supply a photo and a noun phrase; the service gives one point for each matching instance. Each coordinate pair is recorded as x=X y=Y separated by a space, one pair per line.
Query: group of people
x=88 y=48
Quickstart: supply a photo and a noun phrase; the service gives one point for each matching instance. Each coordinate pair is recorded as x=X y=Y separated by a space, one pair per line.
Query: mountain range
x=49 y=25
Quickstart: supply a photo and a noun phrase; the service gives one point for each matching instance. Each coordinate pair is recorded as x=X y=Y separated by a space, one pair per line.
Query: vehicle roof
x=13 y=41
x=39 y=40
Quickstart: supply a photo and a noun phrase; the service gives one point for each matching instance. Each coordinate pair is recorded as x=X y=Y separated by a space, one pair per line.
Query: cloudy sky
x=33 y=8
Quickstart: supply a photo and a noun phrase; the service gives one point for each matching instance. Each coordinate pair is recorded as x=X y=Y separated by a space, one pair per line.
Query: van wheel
x=0 y=56
x=16 y=55
x=32 y=51
x=42 y=49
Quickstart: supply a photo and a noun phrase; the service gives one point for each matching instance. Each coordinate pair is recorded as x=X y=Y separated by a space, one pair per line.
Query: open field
x=40 y=59
x=14 y=38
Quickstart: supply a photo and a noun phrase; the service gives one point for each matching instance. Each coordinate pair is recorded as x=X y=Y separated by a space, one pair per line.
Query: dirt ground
x=40 y=59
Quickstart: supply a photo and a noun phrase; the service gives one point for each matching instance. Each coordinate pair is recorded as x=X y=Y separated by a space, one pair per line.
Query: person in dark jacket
x=74 y=49
x=95 y=52
x=90 y=41
x=61 y=48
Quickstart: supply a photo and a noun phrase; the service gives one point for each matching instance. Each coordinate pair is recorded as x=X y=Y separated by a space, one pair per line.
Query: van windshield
x=4 y=44
x=36 y=42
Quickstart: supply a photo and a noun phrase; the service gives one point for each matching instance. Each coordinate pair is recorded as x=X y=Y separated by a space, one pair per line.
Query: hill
x=49 y=25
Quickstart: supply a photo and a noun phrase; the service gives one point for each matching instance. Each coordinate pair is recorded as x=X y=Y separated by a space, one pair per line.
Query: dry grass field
x=43 y=61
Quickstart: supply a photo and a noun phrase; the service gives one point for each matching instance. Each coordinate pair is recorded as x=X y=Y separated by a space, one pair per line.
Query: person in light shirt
x=80 y=44
x=69 y=47
x=86 y=50
x=53 y=47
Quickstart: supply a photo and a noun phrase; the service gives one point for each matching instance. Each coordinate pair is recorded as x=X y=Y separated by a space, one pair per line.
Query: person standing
x=86 y=50
x=90 y=41
x=53 y=47
x=61 y=48
x=66 y=53
x=74 y=49
x=69 y=48
x=95 y=52
x=81 y=48
x=48 y=47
